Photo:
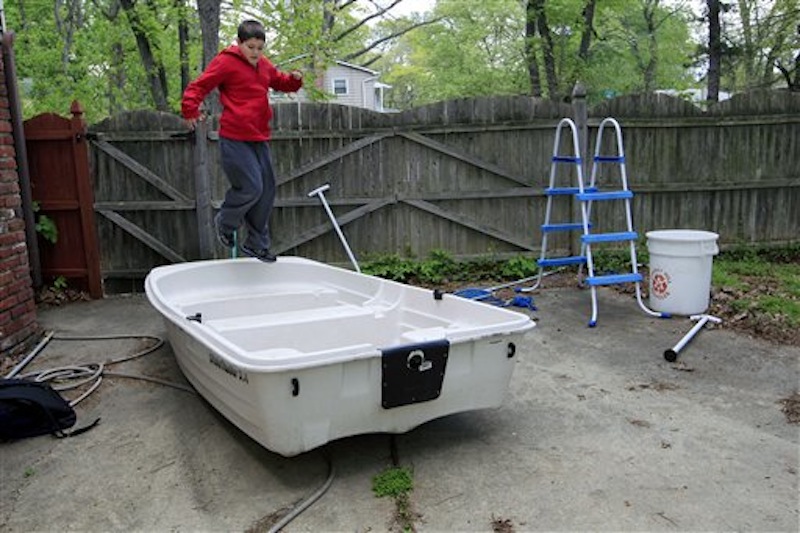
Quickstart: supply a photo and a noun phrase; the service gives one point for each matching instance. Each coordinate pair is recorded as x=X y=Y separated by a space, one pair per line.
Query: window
x=340 y=86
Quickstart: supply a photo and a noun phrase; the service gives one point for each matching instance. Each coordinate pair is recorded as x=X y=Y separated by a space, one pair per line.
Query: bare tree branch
x=394 y=35
x=371 y=61
x=363 y=21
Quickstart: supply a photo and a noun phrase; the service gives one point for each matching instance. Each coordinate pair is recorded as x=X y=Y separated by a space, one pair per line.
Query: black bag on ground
x=30 y=408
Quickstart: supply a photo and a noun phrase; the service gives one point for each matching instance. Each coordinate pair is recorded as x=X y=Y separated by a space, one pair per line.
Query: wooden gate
x=61 y=186
x=399 y=184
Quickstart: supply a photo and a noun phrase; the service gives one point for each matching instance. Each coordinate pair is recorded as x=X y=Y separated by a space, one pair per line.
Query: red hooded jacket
x=243 y=93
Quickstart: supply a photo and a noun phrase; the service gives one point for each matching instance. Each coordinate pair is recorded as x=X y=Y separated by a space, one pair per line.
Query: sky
x=409 y=6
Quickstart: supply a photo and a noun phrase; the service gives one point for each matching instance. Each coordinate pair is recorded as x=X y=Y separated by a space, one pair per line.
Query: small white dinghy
x=298 y=353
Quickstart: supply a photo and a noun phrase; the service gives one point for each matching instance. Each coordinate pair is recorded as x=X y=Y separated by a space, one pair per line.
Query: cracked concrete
x=598 y=432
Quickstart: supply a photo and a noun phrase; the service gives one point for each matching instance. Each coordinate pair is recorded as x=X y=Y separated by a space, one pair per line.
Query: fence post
x=85 y=196
x=581 y=114
x=202 y=185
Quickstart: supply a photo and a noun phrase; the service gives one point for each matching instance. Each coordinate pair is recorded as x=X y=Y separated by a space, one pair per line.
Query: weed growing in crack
x=397 y=482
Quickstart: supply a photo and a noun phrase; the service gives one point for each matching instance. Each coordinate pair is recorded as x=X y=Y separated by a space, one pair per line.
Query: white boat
x=298 y=353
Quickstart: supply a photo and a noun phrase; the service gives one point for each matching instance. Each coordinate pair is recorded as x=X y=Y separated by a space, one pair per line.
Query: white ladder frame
x=586 y=196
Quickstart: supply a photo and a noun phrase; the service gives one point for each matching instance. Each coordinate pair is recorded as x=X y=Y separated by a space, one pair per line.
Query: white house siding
x=361 y=86
x=355 y=84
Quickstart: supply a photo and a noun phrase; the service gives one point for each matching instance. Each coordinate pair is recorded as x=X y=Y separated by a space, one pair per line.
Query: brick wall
x=18 y=327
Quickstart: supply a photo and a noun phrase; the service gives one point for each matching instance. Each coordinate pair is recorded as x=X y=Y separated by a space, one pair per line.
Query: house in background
x=347 y=84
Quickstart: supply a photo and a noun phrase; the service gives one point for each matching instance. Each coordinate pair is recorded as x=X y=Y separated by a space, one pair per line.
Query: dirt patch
x=657 y=386
x=50 y=297
x=791 y=408
x=502 y=525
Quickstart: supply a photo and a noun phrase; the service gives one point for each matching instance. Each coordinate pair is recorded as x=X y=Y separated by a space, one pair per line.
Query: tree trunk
x=588 y=29
x=750 y=48
x=535 y=9
x=155 y=71
x=714 y=50
x=116 y=78
x=530 y=51
x=209 y=13
x=183 y=43
x=651 y=65
x=795 y=87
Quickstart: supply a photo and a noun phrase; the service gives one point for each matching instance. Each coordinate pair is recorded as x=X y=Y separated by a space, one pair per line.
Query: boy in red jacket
x=244 y=77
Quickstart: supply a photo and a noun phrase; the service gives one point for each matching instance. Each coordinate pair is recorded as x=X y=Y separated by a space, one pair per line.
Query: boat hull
x=304 y=354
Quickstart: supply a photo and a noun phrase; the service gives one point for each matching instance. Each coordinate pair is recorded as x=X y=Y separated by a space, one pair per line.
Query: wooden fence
x=464 y=176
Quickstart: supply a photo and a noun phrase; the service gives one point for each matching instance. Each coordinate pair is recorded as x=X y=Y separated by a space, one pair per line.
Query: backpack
x=32 y=408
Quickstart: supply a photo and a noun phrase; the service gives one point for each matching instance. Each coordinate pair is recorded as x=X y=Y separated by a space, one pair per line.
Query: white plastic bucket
x=680 y=270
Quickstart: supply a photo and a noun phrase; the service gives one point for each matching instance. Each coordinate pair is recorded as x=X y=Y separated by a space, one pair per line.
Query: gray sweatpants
x=251 y=196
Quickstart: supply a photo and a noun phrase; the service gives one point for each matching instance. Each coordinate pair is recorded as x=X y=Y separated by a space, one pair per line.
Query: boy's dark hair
x=250 y=29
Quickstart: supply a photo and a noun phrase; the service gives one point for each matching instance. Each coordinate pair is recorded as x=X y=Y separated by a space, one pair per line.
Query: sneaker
x=262 y=255
x=225 y=238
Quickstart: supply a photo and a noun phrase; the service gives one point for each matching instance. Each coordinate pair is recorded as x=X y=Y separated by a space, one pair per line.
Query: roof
x=357 y=67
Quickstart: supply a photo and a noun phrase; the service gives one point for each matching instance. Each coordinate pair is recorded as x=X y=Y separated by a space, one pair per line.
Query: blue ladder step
x=610 y=237
x=562 y=261
x=608 y=195
x=609 y=158
x=565 y=226
x=613 y=279
x=558 y=191
x=566 y=159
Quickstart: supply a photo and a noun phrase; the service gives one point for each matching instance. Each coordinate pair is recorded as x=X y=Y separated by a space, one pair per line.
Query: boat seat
x=318 y=314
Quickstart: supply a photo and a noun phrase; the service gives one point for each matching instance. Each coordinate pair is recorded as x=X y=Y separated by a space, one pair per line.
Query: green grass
x=766 y=280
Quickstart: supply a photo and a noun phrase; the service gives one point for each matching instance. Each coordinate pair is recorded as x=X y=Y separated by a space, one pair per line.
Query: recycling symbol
x=659 y=283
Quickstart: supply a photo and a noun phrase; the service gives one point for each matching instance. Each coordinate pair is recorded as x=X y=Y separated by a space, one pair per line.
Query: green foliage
x=90 y=54
x=473 y=51
x=628 y=46
x=759 y=36
x=60 y=283
x=617 y=260
x=775 y=254
x=45 y=226
x=439 y=267
x=391 y=267
x=393 y=482
x=470 y=52
x=519 y=267
x=87 y=49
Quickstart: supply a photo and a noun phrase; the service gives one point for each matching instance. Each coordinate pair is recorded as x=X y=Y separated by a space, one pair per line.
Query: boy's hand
x=296 y=74
x=191 y=123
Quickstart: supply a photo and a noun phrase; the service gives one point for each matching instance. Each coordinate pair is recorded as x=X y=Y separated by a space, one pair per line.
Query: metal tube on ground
x=28 y=358
x=671 y=355
x=320 y=192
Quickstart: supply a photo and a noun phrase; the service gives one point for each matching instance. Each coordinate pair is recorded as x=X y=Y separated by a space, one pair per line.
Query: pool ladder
x=586 y=196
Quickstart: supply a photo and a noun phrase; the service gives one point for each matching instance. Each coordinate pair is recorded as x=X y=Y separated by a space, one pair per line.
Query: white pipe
x=320 y=191
x=22 y=364
x=671 y=355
